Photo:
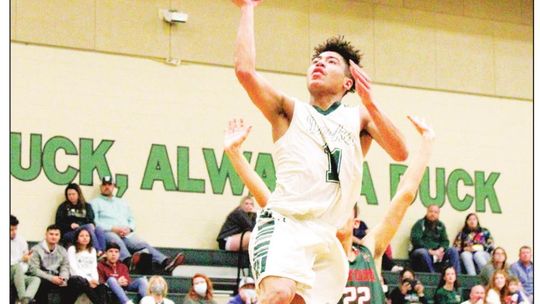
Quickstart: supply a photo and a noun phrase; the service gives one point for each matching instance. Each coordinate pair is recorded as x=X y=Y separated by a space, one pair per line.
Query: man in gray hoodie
x=49 y=262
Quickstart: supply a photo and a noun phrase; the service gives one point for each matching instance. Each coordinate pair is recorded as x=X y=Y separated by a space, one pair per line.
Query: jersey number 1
x=334 y=162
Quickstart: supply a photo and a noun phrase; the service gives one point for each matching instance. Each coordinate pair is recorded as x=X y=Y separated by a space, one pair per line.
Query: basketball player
x=363 y=284
x=293 y=248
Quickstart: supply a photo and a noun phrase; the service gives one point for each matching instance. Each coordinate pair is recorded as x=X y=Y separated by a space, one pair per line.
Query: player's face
x=328 y=74
x=450 y=275
x=52 y=236
x=432 y=213
x=72 y=196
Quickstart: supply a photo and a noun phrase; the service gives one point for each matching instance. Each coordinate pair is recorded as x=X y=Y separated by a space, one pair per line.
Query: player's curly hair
x=343 y=47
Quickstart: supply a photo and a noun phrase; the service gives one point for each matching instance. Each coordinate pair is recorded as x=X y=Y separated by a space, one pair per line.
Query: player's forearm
x=253 y=182
x=244 y=54
x=391 y=138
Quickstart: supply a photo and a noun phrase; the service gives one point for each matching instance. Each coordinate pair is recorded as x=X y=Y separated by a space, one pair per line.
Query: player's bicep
x=272 y=103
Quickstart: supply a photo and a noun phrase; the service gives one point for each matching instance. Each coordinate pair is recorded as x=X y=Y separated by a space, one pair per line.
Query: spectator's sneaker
x=396 y=268
x=178 y=260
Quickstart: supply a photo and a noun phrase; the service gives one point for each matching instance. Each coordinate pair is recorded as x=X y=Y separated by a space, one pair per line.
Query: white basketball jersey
x=309 y=185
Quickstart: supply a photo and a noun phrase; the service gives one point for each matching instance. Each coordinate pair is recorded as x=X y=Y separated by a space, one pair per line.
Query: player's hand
x=241 y=3
x=422 y=127
x=235 y=134
x=362 y=82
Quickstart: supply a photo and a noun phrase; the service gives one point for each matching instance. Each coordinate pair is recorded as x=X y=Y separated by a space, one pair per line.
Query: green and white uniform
x=295 y=236
x=363 y=285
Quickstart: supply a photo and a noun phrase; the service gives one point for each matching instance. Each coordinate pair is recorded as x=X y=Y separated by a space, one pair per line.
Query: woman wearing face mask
x=157 y=292
x=246 y=292
x=201 y=291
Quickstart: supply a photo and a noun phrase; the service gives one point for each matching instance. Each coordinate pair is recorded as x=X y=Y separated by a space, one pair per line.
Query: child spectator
x=201 y=291
x=157 y=292
x=514 y=295
x=116 y=275
x=26 y=286
x=83 y=270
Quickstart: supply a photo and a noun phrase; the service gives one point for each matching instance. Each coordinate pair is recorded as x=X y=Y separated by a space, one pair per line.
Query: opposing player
x=294 y=250
x=319 y=168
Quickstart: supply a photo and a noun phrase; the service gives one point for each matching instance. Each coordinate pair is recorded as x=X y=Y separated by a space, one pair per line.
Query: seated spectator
x=474 y=243
x=448 y=291
x=240 y=220
x=114 y=216
x=477 y=295
x=157 y=292
x=73 y=214
x=49 y=262
x=514 y=294
x=201 y=291
x=387 y=261
x=246 y=292
x=83 y=270
x=497 y=289
x=523 y=270
x=430 y=243
x=409 y=289
x=26 y=286
x=115 y=274
x=498 y=261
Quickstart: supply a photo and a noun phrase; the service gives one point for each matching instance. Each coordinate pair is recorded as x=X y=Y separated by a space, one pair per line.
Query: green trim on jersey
x=331 y=109
x=262 y=242
x=363 y=285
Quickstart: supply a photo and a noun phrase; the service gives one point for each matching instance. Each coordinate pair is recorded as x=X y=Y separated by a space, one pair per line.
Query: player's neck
x=324 y=102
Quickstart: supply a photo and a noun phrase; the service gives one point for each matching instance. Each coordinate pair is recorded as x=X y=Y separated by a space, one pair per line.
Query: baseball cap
x=246 y=281
x=107 y=180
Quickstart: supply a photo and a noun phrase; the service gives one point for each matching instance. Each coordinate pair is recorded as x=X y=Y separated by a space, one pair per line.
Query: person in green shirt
x=448 y=291
x=364 y=283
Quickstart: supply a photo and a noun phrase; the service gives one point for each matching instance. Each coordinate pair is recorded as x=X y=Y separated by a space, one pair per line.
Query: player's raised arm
x=383 y=232
x=235 y=134
x=273 y=104
x=377 y=123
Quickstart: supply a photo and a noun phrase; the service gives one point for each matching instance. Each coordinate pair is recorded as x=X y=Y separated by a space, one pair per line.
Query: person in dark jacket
x=74 y=214
x=430 y=243
x=240 y=221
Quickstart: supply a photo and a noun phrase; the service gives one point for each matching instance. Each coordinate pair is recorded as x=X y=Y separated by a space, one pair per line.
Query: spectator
x=477 y=295
x=498 y=261
x=114 y=216
x=514 y=295
x=448 y=291
x=201 y=291
x=49 y=262
x=409 y=290
x=523 y=269
x=83 y=270
x=116 y=275
x=157 y=292
x=26 y=286
x=240 y=220
x=474 y=243
x=430 y=243
x=73 y=214
x=246 y=292
x=497 y=288
x=387 y=261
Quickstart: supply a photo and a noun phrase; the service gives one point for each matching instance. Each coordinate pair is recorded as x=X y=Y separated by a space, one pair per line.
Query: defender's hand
x=422 y=127
x=235 y=134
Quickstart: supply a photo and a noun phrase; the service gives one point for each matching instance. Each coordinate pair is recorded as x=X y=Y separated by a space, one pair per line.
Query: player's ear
x=356 y=223
x=348 y=83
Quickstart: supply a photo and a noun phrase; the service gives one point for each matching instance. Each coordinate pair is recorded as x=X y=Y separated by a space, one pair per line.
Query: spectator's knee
x=112 y=281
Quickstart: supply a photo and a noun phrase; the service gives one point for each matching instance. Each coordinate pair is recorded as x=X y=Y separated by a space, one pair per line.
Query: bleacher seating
x=221 y=267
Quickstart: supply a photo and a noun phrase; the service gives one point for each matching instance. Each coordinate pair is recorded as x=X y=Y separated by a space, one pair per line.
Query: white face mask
x=200 y=289
x=157 y=289
x=250 y=293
